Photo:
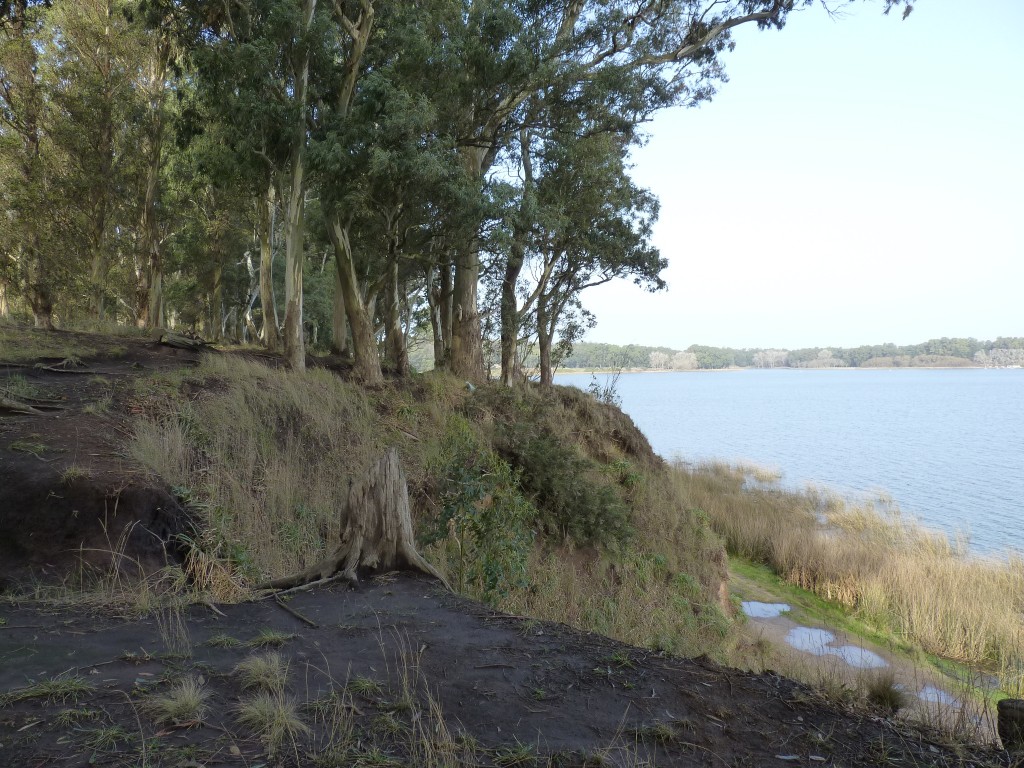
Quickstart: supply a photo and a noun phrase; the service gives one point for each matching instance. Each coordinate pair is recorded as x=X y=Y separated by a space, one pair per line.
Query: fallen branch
x=309 y=622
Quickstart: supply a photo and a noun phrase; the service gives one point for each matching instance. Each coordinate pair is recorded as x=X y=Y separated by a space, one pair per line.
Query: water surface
x=947 y=445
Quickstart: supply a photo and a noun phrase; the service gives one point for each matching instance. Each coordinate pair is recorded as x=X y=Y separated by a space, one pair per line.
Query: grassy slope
x=539 y=502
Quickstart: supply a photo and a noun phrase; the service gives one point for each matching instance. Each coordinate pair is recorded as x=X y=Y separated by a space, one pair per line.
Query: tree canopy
x=355 y=176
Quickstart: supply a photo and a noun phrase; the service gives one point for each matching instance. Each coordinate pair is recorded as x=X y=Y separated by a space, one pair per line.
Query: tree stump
x=1011 y=724
x=376 y=531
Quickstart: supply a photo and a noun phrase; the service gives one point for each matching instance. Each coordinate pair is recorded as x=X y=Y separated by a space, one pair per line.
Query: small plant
x=70 y=717
x=662 y=733
x=100 y=406
x=270 y=638
x=31 y=446
x=364 y=686
x=106 y=739
x=608 y=392
x=184 y=703
x=882 y=691
x=268 y=672
x=274 y=718
x=516 y=756
x=73 y=474
x=56 y=690
x=222 y=640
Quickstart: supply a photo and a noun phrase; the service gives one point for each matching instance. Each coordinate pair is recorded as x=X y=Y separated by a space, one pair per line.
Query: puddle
x=861 y=658
x=756 y=610
x=932 y=695
x=810 y=639
x=818 y=642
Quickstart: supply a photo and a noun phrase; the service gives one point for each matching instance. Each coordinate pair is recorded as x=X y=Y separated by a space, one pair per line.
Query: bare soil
x=511 y=691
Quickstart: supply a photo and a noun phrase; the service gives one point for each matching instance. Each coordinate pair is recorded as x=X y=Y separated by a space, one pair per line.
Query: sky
x=857 y=181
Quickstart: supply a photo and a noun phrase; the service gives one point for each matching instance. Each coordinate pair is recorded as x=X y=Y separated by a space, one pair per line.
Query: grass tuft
x=268 y=672
x=274 y=718
x=56 y=690
x=184 y=703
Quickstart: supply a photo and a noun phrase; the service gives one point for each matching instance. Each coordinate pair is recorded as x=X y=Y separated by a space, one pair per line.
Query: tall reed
x=887 y=569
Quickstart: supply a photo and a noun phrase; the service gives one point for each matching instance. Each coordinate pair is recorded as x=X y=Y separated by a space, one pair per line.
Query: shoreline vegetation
x=1003 y=352
x=886 y=570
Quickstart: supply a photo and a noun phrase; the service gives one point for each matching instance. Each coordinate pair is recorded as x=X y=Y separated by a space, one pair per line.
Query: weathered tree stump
x=1011 y=724
x=376 y=531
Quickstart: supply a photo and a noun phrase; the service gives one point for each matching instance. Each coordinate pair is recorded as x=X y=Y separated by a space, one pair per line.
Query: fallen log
x=178 y=341
x=14 y=406
x=376 y=531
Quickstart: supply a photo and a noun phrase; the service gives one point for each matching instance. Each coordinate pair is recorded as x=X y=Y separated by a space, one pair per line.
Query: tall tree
x=29 y=262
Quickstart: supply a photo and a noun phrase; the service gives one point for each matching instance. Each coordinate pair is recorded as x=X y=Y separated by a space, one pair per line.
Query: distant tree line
x=1002 y=352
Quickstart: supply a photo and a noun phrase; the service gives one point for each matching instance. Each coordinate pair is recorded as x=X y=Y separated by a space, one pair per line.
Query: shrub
x=485 y=521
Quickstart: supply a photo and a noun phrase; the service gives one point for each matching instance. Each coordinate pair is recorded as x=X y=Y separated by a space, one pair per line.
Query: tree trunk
x=102 y=189
x=294 y=236
x=467 y=356
x=366 y=359
x=398 y=355
x=267 y=205
x=339 y=318
x=217 y=297
x=151 y=303
x=376 y=531
x=510 y=313
x=544 y=338
x=295 y=216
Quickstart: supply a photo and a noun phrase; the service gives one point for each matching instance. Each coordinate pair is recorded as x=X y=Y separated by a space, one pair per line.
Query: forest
x=945 y=352
x=342 y=175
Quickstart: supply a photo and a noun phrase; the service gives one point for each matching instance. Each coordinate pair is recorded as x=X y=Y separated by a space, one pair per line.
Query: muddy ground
x=396 y=672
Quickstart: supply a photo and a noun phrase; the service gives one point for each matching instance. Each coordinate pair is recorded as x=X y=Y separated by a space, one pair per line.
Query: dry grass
x=263 y=457
x=889 y=571
x=268 y=453
x=184 y=703
x=267 y=672
x=274 y=718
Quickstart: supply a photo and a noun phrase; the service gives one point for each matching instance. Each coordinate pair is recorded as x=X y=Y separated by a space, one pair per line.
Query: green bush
x=574 y=498
x=484 y=528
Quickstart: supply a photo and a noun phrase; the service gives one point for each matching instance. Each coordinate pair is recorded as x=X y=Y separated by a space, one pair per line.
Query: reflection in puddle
x=756 y=610
x=932 y=695
x=817 y=642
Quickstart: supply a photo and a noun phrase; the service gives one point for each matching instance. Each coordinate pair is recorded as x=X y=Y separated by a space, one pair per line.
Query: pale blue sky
x=857 y=181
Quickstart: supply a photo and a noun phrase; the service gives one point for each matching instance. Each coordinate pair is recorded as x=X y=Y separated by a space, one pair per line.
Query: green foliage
x=573 y=498
x=484 y=521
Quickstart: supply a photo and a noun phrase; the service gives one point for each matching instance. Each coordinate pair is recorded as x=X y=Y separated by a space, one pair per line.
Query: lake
x=946 y=445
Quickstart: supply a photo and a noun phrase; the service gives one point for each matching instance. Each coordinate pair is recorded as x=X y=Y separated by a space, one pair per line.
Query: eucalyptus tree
x=652 y=54
x=30 y=265
x=262 y=63
x=596 y=227
x=92 y=56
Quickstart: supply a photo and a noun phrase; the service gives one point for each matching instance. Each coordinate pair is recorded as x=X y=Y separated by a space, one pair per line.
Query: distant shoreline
x=735 y=368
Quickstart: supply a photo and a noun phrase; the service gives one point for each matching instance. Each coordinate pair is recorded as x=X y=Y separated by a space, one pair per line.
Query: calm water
x=946 y=445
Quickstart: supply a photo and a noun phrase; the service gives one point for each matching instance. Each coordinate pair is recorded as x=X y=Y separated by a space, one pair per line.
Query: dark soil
x=513 y=692
x=540 y=690
x=68 y=492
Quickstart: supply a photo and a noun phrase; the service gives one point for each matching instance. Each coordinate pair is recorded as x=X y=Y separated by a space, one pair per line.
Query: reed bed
x=888 y=570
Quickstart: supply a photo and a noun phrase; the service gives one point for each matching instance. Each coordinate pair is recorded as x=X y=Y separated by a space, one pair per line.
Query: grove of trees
x=350 y=174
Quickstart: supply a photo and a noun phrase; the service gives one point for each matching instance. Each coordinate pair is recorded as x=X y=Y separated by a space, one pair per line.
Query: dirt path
x=506 y=687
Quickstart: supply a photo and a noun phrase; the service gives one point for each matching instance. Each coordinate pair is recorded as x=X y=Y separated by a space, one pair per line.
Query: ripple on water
x=819 y=643
x=756 y=610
